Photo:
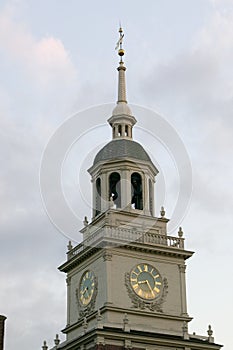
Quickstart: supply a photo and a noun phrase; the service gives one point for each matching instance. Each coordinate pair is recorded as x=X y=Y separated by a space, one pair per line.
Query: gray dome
x=121 y=148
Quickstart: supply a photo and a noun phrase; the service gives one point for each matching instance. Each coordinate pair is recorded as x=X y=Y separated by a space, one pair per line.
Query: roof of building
x=121 y=148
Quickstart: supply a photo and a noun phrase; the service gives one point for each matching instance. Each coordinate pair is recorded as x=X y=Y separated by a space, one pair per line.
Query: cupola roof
x=122 y=148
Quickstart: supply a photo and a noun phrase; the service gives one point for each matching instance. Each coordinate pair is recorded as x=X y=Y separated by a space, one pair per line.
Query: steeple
x=122 y=120
x=121 y=69
x=123 y=174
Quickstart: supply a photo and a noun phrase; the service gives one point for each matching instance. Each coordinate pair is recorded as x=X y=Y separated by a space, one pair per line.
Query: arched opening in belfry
x=126 y=130
x=115 y=188
x=136 y=191
x=119 y=130
x=98 y=197
x=151 y=197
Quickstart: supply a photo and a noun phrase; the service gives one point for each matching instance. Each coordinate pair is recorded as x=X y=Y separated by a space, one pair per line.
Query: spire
x=121 y=69
x=122 y=120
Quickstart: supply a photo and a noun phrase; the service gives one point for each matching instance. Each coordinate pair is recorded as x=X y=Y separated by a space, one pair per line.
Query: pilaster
x=126 y=189
x=68 y=284
x=182 y=269
x=146 y=201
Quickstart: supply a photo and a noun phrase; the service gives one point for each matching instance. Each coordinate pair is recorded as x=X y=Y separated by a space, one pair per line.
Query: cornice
x=144 y=338
x=133 y=246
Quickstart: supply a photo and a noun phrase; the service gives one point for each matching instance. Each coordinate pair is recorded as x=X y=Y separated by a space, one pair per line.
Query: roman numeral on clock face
x=146 y=281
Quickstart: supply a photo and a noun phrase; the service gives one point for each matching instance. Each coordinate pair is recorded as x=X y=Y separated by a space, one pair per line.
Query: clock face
x=146 y=281
x=86 y=287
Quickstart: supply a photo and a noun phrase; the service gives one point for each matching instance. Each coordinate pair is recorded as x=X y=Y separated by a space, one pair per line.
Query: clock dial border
x=86 y=287
x=153 y=304
x=85 y=309
x=146 y=281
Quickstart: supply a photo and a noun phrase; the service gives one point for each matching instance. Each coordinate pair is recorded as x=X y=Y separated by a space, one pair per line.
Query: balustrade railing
x=121 y=235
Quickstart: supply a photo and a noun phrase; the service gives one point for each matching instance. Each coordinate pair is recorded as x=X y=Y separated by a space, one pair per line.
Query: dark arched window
x=98 y=197
x=115 y=189
x=126 y=130
x=119 y=130
x=136 y=191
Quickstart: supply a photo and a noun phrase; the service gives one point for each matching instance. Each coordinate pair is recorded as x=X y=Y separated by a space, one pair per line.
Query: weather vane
x=118 y=47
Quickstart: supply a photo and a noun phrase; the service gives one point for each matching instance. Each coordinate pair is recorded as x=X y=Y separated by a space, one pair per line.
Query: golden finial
x=121 y=52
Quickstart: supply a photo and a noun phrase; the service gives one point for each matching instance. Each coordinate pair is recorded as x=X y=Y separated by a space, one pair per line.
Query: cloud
x=215 y=39
x=39 y=292
x=222 y=5
x=195 y=91
x=45 y=59
x=198 y=83
x=27 y=106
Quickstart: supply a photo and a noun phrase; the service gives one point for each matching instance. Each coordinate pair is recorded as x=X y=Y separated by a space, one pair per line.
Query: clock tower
x=126 y=279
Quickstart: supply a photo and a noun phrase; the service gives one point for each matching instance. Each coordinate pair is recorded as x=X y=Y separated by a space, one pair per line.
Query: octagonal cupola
x=123 y=174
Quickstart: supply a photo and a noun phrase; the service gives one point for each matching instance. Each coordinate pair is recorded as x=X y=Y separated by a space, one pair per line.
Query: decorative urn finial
x=162 y=212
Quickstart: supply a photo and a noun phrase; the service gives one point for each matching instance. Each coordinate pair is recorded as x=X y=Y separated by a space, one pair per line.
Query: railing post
x=181 y=239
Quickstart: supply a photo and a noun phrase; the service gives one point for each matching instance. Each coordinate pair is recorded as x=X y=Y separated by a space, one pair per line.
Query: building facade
x=126 y=284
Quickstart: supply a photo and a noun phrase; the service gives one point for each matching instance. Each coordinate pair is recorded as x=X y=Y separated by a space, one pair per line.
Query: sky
x=57 y=59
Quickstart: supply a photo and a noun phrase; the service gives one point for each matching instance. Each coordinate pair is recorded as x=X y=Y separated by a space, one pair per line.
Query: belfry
x=126 y=284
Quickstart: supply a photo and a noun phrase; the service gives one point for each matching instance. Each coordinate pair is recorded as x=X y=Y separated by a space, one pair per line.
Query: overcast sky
x=58 y=58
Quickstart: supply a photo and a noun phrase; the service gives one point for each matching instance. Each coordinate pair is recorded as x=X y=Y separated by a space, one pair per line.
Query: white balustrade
x=122 y=234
